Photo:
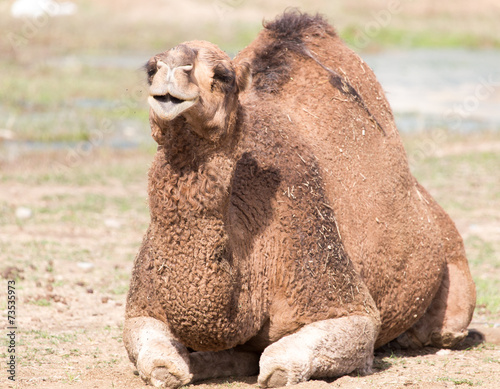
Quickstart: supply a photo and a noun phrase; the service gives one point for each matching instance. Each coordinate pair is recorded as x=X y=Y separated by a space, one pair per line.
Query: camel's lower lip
x=169 y=107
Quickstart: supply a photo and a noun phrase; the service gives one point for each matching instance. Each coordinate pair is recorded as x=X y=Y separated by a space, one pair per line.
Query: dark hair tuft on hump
x=293 y=24
x=272 y=63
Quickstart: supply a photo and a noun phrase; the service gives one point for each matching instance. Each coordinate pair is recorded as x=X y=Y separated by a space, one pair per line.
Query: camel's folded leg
x=444 y=325
x=446 y=320
x=328 y=348
x=160 y=359
x=165 y=363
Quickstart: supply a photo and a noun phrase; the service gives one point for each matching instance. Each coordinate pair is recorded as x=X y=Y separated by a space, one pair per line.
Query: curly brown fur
x=279 y=221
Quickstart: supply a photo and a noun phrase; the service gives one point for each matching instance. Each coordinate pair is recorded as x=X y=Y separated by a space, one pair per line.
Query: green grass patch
x=120 y=289
x=488 y=299
x=482 y=252
x=51 y=102
x=457 y=381
x=473 y=178
x=76 y=168
x=364 y=39
x=41 y=302
x=52 y=338
x=87 y=209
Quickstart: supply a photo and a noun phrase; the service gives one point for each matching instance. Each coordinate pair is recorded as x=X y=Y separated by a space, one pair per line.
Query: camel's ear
x=243 y=76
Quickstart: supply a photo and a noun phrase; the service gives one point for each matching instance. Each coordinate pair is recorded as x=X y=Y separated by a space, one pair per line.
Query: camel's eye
x=223 y=78
x=151 y=69
x=223 y=74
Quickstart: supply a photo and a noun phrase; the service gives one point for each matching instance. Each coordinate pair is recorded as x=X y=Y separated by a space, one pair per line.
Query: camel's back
x=327 y=100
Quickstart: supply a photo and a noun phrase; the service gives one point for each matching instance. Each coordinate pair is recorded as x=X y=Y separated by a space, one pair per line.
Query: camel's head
x=198 y=82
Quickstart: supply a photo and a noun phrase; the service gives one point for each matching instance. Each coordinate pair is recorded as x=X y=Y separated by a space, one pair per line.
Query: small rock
x=57 y=299
x=12 y=272
x=105 y=300
x=23 y=213
x=112 y=223
x=50 y=267
x=474 y=228
x=131 y=132
x=6 y=134
x=80 y=283
x=35 y=9
x=90 y=290
x=85 y=266
x=443 y=352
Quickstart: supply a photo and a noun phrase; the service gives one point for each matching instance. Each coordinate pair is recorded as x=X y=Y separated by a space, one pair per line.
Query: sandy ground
x=72 y=258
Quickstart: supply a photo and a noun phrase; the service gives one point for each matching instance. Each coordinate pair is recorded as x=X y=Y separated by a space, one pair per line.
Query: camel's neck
x=191 y=177
x=189 y=190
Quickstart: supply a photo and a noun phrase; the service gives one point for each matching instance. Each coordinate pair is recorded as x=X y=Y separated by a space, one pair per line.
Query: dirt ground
x=72 y=259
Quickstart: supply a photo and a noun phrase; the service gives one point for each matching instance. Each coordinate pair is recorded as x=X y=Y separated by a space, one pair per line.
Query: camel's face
x=173 y=88
x=195 y=80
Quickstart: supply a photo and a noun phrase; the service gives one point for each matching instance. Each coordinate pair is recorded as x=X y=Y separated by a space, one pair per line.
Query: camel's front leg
x=328 y=348
x=164 y=362
x=160 y=359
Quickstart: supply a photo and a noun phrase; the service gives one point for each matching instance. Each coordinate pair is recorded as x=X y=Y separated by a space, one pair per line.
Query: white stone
x=37 y=8
x=85 y=266
x=112 y=223
x=23 y=213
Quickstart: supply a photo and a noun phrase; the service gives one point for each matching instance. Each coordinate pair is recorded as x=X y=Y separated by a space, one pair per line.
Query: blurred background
x=68 y=65
x=75 y=143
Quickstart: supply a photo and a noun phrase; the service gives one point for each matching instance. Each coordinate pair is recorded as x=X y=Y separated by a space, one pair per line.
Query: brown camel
x=287 y=236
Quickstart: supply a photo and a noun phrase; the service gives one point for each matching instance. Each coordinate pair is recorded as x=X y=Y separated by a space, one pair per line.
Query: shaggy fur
x=284 y=219
x=271 y=63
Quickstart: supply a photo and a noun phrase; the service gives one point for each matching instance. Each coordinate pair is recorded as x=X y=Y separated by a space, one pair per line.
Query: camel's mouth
x=168 y=107
x=168 y=98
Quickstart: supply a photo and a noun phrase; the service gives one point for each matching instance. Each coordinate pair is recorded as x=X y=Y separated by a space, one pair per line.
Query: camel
x=288 y=237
